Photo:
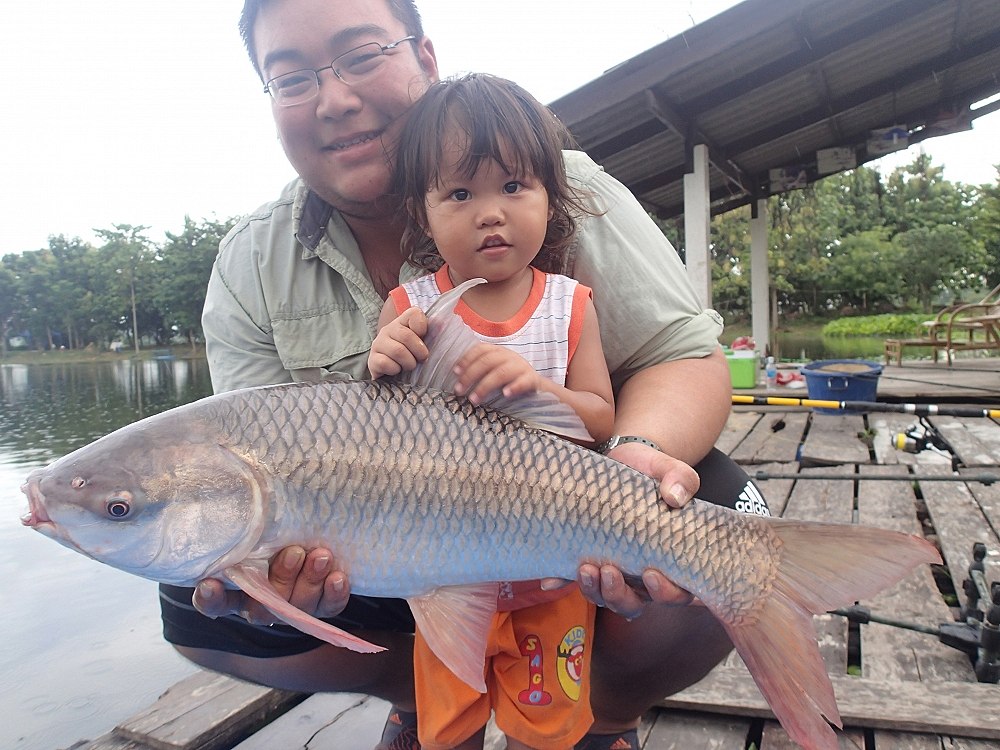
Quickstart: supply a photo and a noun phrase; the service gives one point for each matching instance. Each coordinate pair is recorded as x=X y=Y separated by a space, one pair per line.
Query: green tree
x=126 y=281
x=182 y=271
x=941 y=259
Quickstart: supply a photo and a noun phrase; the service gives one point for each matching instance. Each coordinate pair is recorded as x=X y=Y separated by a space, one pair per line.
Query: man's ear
x=427 y=58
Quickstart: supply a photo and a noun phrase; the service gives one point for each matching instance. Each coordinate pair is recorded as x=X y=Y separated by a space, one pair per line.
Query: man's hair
x=489 y=118
x=404 y=10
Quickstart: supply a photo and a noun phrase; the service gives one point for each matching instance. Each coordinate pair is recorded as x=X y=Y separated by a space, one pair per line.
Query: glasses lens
x=359 y=62
x=293 y=88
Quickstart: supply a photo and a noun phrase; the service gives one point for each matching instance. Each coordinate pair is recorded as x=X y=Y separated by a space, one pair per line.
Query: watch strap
x=615 y=440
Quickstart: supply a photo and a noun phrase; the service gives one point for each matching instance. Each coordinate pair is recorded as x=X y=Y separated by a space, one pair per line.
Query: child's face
x=490 y=225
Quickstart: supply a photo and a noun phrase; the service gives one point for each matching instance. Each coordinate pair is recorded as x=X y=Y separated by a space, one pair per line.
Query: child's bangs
x=493 y=127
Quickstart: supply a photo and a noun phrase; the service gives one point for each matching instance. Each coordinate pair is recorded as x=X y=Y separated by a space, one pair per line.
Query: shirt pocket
x=334 y=341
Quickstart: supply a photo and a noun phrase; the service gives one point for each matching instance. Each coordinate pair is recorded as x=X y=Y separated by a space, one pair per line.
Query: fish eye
x=77 y=482
x=119 y=507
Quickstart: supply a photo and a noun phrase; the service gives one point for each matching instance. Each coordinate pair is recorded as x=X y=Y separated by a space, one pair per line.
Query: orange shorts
x=537 y=680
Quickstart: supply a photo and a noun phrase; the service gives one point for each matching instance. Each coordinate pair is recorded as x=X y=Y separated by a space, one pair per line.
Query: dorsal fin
x=448 y=338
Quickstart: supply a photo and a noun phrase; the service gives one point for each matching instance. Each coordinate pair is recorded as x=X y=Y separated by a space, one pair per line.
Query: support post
x=760 y=309
x=697 y=216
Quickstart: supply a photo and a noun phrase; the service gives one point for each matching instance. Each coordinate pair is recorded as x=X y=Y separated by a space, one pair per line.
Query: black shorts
x=723 y=482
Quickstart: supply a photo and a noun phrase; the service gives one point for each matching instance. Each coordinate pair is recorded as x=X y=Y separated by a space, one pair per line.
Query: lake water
x=82 y=646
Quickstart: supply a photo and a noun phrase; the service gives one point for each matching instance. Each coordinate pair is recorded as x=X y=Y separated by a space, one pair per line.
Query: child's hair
x=491 y=118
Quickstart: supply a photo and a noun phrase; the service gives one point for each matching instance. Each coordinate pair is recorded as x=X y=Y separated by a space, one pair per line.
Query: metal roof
x=768 y=83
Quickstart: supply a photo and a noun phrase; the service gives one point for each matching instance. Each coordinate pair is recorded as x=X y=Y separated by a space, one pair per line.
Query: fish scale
x=461 y=510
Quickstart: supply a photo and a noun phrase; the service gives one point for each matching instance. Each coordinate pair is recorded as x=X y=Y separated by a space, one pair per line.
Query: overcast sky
x=137 y=112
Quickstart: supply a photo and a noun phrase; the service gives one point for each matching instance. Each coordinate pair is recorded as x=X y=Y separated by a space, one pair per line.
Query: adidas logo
x=751 y=502
x=621 y=744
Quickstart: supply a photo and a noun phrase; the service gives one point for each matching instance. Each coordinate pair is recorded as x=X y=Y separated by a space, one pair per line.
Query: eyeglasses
x=352 y=67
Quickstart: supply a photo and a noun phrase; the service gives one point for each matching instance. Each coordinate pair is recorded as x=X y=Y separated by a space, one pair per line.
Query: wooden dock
x=897 y=689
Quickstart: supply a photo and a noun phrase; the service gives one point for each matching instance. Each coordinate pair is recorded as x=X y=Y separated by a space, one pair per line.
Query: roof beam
x=924 y=69
x=667 y=114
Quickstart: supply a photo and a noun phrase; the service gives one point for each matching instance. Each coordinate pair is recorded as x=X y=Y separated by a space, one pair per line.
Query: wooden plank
x=685 y=730
x=964 y=443
x=776 y=738
x=885 y=428
x=206 y=711
x=959 y=522
x=786 y=433
x=885 y=740
x=758 y=447
x=775 y=491
x=963 y=743
x=738 y=426
x=987 y=432
x=966 y=709
x=890 y=653
x=325 y=721
x=833 y=439
x=829 y=500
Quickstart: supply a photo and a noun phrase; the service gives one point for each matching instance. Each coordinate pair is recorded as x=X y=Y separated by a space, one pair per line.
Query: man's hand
x=399 y=345
x=605 y=586
x=307 y=580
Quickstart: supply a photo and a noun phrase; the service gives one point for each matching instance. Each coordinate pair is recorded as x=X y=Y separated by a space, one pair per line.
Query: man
x=296 y=293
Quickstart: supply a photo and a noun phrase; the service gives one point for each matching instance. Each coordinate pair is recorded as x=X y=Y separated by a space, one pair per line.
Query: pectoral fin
x=447 y=340
x=253 y=581
x=456 y=621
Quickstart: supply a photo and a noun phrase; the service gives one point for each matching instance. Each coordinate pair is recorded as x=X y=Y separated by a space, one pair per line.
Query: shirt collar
x=312 y=214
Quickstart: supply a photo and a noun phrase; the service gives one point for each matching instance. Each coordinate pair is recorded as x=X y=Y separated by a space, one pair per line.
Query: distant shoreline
x=70 y=356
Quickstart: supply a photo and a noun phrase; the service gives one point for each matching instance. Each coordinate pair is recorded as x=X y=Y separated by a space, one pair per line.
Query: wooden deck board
x=692 y=730
x=965 y=709
x=959 y=522
x=833 y=440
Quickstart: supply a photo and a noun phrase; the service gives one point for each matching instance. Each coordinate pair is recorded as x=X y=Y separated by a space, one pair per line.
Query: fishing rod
x=977 y=633
x=985 y=479
x=920 y=410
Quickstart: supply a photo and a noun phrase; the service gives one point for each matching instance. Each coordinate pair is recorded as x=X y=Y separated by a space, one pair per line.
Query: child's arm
x=487 y=367
x=399 y=344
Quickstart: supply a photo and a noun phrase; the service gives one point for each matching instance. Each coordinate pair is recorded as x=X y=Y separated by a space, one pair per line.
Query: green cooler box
x=742 y=368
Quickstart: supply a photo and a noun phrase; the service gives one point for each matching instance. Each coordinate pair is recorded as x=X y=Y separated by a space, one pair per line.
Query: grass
x=91 y=354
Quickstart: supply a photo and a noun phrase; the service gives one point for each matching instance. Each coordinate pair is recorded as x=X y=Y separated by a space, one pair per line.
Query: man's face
x=340 y=141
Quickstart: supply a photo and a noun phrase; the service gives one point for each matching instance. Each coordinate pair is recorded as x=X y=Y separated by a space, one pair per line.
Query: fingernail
x=651 y=582
x=205 y=591
x=293 y=559
x=587 y=580
x=338 y=584
x=679 y=493
x=607 y=580
x=320 y=563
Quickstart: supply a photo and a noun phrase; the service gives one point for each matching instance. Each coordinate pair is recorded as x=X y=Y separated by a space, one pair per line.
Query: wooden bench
x=894 y=348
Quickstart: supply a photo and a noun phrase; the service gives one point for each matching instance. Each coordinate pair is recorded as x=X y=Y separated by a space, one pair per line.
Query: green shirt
x=290 y=298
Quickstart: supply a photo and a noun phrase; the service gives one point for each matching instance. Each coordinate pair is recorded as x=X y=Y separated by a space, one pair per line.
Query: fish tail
x=820 y=567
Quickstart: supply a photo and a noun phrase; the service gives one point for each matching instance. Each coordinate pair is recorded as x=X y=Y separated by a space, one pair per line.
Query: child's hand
x=399 y=346
x=486 y=368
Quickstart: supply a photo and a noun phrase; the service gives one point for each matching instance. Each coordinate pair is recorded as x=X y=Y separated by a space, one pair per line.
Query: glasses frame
x=383 y=48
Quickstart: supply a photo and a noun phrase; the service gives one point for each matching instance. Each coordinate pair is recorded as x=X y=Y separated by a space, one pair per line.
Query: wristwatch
x=615 y=440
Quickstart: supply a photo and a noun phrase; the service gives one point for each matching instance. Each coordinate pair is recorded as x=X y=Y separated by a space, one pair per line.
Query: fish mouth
x=36 y=517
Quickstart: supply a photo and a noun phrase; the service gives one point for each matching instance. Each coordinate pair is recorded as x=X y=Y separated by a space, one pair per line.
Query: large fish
x=424 y=496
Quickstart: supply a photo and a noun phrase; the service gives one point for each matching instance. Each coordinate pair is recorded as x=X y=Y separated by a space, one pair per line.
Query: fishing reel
x=921 y=436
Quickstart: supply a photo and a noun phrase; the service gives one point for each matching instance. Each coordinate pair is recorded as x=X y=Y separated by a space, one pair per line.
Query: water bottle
x=771 y=373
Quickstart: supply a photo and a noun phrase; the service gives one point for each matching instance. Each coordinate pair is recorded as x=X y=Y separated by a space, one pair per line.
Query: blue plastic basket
x=828 y=382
